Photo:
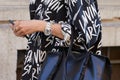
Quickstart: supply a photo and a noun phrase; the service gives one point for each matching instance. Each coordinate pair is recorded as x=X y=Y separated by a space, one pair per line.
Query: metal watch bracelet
x=47 y=30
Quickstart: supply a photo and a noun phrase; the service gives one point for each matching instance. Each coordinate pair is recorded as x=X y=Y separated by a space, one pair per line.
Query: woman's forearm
x=55 y=28
x=24 y=27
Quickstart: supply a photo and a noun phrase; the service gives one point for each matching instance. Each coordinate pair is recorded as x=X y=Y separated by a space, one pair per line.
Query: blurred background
x=12 y=48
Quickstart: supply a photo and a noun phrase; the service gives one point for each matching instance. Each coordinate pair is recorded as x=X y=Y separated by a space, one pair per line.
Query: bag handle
x=71 y=45
x=86 y=55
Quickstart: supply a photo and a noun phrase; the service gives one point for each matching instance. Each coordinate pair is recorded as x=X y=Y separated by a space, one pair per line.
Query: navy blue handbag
x=89 y=67
x=67 y=65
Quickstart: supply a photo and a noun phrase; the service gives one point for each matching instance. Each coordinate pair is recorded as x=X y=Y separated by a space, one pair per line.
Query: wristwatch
x=47 y=30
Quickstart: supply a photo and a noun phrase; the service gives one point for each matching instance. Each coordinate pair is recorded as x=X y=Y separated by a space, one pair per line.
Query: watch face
x=48 y=31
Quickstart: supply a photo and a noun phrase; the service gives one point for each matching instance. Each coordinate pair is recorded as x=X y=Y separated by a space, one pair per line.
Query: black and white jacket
x=80 y=15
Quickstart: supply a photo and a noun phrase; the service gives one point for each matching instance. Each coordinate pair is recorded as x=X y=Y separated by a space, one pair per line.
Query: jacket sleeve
x=32 y=8
x=83 y=17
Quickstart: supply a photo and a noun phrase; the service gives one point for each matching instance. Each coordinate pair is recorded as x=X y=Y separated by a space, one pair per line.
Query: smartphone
x=12 y=22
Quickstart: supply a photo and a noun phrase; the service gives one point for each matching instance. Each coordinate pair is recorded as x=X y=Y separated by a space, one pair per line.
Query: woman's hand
x=24 y=27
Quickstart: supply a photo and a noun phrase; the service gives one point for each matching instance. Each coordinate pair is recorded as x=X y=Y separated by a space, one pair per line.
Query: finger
x=16 y=23
x=19 y=33
x=16 y=29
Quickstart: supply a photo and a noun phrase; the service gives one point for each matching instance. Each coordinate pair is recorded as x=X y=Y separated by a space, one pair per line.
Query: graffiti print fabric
x=82 y=15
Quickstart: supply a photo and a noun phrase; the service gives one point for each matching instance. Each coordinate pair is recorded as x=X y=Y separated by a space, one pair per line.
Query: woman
x=50 y=28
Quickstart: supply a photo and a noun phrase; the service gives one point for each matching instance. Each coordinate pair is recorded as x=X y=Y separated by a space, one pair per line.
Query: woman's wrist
x=55 y=28
x=40 y=25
